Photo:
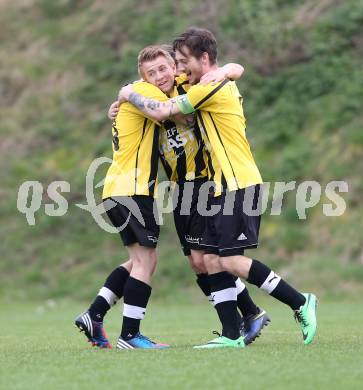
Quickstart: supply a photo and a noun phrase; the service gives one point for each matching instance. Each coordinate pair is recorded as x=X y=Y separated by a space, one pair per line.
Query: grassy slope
x=61 y=64
x=40 y=347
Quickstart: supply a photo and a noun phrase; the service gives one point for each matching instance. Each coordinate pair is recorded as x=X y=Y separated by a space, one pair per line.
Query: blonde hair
x=150 y=53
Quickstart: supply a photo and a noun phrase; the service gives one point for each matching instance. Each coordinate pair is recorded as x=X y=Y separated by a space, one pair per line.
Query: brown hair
x=150 y=53
x=198 y=41
x=169 y=49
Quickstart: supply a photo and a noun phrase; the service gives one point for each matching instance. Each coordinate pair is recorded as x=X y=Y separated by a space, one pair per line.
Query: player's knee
x=197 y=265
x=145 y=256
x=197 y=262
x=127 y=265
x=210 y=258
x=212 y=263
x=227 y=265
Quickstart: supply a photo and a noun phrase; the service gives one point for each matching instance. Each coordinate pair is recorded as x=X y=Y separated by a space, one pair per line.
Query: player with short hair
x=128 y=196
x=235 y=177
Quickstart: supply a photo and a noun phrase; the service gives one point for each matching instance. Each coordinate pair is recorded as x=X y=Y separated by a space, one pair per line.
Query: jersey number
x=115 y=140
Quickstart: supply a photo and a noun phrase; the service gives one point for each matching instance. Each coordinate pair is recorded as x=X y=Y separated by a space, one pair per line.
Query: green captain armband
x=184 y=104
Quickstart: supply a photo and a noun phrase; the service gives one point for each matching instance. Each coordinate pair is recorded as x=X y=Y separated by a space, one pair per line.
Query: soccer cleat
x=139 y=341
x=223 y=342
x=306 y=317
x=93 y=330
x=253 y=325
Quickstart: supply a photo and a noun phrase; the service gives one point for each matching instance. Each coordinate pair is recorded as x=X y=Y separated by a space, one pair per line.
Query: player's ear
x=205 y=58
x=174 y=67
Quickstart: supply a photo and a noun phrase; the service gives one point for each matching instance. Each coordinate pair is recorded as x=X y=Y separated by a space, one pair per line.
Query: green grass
x=40 y=349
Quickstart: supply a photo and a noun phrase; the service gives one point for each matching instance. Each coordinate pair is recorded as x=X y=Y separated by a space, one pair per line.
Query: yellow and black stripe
x=220 y=116
x=182 y=150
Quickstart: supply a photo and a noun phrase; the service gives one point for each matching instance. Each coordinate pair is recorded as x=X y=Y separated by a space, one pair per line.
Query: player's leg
x=137 y=289
x=191 y=228
x=197 y=264
x=91 y=321
x=245 y=303
x=223 y=290
x=257 y=273
x=111 y=291
x=224 y=293
x=215 y=230
x=141 y=245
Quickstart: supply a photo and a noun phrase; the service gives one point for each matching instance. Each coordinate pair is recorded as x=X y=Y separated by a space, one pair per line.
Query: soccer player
x=184 y=158
x=235 y=176
x=128 y=196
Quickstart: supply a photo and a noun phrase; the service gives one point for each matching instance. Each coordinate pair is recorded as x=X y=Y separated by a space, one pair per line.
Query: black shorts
x=189 y=224
x=135 y=219
x=233 y=229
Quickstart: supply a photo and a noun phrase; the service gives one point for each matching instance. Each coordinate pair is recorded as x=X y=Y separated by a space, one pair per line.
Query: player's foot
x=223 y=342
x=254 y=324
x=139 y=341
x=306 y=317
x=93 y=330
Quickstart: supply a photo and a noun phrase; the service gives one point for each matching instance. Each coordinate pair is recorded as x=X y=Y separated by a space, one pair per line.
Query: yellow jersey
x=181 y=148
x=223 y=125
x=135 y=149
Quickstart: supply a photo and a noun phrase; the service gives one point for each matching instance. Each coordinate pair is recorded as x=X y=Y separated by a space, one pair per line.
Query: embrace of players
x=188 y=112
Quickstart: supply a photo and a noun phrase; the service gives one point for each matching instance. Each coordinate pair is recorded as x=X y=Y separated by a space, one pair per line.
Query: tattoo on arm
x=151 y=107
x=152 y=104
x=142 y=103
x=137 y=100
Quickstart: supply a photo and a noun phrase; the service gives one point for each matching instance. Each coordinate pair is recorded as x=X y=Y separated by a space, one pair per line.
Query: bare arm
x=151 y=107
x=113 y=110
x=233 y=71
x=229 y=71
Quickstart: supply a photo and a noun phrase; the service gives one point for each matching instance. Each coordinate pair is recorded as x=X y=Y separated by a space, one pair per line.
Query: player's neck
x=208 y=68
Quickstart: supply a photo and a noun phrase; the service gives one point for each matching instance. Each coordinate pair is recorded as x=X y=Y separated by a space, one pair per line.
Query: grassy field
x=40 y=349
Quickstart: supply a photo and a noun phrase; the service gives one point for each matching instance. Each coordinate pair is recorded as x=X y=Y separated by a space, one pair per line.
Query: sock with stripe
x=263 y=277
x=136 y=297
x=204 y=285
x=224 y=293
x=244 y=302
x=109 y=294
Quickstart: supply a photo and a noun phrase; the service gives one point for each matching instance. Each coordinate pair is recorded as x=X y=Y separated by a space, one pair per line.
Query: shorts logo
x=193 y=240
x=241 y=237
x=152 y=238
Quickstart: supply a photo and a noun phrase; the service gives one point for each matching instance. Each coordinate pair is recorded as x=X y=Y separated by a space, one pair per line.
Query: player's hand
x=113 y=110
x=123 y=95
x=213 y=77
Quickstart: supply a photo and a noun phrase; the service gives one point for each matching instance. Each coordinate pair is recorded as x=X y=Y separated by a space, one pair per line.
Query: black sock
x=246 y=304
x=224 y=292
x=116 y=281
x=136 y=297
x=98 y=309
x=261 y=276
x=204 y=285
x=108 y=295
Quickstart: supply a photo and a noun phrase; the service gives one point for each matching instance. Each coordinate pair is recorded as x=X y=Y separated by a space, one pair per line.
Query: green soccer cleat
x=223 y=342
x=306 y=317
